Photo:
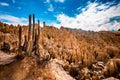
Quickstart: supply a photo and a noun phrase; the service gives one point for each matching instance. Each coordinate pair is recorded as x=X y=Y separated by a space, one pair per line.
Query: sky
x=93 y=15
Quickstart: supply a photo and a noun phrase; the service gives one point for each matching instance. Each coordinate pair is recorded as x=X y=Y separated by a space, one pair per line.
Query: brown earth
x=64 y=54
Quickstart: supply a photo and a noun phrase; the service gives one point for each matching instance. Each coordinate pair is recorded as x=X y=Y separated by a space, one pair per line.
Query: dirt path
x=57 y=71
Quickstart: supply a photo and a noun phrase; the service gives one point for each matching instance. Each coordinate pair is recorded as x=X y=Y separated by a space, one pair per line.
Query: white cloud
x=93 y=17
x=19 y=8
x=50 y=8
x=4 y=4
x=59 y=1
x=47 y=1
x=13 y=20
x=13 y=1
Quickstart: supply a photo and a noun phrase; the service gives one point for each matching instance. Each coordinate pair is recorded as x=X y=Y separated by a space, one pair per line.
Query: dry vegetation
x=81 y=54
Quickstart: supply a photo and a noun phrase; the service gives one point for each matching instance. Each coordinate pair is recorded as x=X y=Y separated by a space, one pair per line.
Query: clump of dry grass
x=5 y=47
x=113 y=51
x=112 y=68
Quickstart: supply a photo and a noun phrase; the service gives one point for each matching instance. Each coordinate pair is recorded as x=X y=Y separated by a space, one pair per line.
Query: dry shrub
x=84 y=74
x=112 y=51
x=1 y=36
x=112 y=68
x=5 y=47
x=86 y=56
x=41 y=55
x=103 y=56
x=72 y=69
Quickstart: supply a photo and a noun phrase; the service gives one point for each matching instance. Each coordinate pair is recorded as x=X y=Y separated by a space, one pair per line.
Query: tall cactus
x=20 y=36
x=37 y=34
x=44 y=24
x=30 y=25
x=33 y=33
x=38 y=31
x=25 y=43
x=29 y=46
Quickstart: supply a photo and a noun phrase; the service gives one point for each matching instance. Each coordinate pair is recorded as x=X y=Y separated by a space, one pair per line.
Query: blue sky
x=93 y=15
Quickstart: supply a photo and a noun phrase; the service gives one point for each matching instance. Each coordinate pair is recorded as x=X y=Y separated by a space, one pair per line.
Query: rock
x=57 y=70
x=110 y=78
x=6 y=58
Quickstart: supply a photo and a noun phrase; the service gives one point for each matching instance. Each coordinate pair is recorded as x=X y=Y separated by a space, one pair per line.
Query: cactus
x=44 y=24
x=25 y=43
x=38 y=37
x=29 y=31
x=29 y=45
x=20 y=36
x=33 y=36
x=33 y=33
x=31 y=41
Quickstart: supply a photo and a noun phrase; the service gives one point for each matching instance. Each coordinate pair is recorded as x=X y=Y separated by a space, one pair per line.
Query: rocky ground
x=63 y=54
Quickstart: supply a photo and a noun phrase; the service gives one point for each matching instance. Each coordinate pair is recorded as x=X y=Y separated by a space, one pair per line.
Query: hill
x=77 y=54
